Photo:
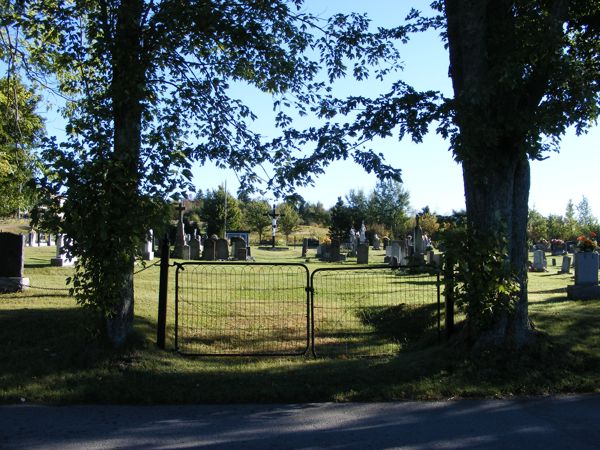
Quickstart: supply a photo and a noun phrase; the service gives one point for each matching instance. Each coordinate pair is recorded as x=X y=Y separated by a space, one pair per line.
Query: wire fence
x=279 y=309
x=241 y=309
x=372 y=311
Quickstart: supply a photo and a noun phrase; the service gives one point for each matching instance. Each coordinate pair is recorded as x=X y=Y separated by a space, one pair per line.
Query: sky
x=429 y=172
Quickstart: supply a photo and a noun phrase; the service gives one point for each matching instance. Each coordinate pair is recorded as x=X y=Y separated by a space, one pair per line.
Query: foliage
x=485 y=287
x=314 y=213
x=585 y=218
x=428 y=222
x=288 y=221
x=21 y=129
x=358 y=207
x=537 y=226
x=218 y=213
x=555 y=225
x=389 y=205
x=341 y=221
x=256 y=216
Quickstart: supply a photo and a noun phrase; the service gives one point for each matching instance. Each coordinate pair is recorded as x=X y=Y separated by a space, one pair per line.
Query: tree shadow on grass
x=550 y=291
x=52 y=343
x=401 y=322
x=33 y=263
x=48 y=355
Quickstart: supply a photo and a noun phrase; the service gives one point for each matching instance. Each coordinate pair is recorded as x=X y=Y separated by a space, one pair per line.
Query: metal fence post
x=449 y=295
x=162 y=293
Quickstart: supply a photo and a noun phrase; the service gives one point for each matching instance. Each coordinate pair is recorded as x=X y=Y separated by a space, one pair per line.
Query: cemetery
x=128 y=267
x=60 y=320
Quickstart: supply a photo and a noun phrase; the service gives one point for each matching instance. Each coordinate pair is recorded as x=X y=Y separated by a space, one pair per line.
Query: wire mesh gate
x=281 y=309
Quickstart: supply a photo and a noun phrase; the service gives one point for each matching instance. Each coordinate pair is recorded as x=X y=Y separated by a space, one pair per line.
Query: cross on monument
x=180 y=237
x=180 y=209
x=274 y=216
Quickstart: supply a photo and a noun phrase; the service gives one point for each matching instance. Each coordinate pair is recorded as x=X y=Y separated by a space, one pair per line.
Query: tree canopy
x=21 y=130
x=147 y=91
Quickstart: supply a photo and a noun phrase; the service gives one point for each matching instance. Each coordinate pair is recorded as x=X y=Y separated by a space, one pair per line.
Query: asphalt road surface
x=566 y=422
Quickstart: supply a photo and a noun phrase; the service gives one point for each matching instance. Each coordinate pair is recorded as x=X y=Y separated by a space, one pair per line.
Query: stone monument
x=12 y=262
x=182 y=250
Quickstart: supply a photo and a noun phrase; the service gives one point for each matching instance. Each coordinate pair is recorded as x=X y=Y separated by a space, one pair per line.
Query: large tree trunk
x=491 y=144
x=497 y=205
x=127 y=95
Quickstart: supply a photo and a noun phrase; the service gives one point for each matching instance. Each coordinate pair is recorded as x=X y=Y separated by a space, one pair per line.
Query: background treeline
x=578 y=220
x=386 y=211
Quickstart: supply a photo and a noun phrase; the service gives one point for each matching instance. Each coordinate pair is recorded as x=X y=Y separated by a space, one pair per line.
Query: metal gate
x=241 y=309
x=282 y=309
x=372 y=310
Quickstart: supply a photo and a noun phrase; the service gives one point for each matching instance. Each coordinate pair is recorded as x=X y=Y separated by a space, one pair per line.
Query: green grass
x=49 y=354
x=14 y=225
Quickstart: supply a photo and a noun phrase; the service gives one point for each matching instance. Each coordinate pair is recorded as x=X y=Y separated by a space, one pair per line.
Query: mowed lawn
x=51 y=354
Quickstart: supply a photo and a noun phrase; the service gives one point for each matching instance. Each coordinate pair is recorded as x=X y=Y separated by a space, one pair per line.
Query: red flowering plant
x=587 y=244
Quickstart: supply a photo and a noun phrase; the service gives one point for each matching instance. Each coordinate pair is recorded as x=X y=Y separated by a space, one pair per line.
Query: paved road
x=569 y=422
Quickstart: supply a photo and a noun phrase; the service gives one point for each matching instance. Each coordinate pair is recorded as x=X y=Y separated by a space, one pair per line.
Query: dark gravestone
x=237 y=243
x=241 y=253
x=334 y=252
x=239 y=248
x=195 y=248
x=304 y=247
x=12 y=260
x=362 y=254
x=222 y=249
x=209 y=253
x=386 y=242
x=566 y=265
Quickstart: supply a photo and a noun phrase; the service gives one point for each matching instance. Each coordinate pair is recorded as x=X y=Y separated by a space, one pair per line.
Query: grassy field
x=50 y=354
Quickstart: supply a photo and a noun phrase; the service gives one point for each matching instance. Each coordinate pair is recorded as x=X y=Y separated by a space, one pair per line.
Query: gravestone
x=539 y=261
x=566 y=265
x=586 y=277
x=396 y=256
x=195 y=248
x=386 y=242
x=31 y=238
x=182 y=250
x=353 y=240
x=12 y=262
x=304 y=247
x=334 y=252
x=586 y=268
x=362 y=233
x=209 y=251
x=148 y=247
x=362 y=254
x=61 y=259
x=418 y=242
x=376 y=243
x=241 y=253
x=388 y=254
x=221 y=249
x=239 y=248
x=236 y=243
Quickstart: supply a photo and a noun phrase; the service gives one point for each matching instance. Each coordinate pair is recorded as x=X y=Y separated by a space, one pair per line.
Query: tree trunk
x=497 y=204
x=490 y=144
x=127 y=95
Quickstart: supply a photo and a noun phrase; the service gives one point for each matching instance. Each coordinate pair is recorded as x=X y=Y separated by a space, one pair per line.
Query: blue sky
x=429 y=173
